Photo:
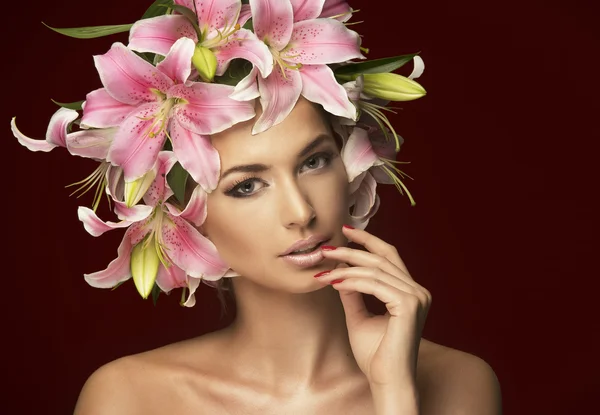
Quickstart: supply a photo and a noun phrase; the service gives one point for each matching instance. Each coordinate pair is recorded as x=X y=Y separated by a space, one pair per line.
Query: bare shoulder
x=455 y=382
x=156 y=381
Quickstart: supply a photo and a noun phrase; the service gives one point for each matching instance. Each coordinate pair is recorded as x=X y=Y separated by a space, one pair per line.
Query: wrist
x=395 y=399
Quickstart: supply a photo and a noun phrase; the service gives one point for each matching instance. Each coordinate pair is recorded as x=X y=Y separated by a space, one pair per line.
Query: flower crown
x=193 y=68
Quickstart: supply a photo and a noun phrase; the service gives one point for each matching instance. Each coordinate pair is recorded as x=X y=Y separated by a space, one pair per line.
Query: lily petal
x=158 y=34
x=190 y=250
x=96 y=226
x=419 y=67
x=323 y=41
x=247 y=88
x=195 y=211
x=338 y=9
x=177 y=65
x=307 y=9
x=245 y=14
x=278 y=95
x=244 y=44
x=129 y=78
x=272 y=21
x=160 y=190
x=117 y=271
x=193 y=284
x=319 y=85
x=56 y=133
x=91 y=143
x=214 y=15
x=209 y=109
x=358 y=154
x=134 y=148
x=365 y=202
x=171 y=277
x=100 y=110
x=197 y=155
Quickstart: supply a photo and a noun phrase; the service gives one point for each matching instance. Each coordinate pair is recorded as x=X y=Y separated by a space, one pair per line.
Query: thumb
x=353 y=303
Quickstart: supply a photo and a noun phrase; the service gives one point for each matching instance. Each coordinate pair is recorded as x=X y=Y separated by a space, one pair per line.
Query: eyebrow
x=257 y=167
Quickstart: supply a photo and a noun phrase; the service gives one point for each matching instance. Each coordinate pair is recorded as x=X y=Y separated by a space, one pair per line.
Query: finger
x=396 y=301
x=376 y=245
x=354 y=305
x=363 y=272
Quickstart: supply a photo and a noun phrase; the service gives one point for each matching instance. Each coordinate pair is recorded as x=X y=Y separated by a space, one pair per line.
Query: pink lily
x=368 y=149
x=88 y=143
x=219 y=22
x=301 y=50
x=147 y=101
x=161 y=231
x=174 y=277
x=364 y=201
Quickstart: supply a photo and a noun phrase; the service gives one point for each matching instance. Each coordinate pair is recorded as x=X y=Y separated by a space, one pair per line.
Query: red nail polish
x=328 y=247
x=336 y=281
x=348 y=226
x=320 y=274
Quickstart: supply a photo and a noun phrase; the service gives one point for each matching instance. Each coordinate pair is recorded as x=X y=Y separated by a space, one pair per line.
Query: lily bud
x=144 y=266
x=205 y=61
x=135 y=190
x=391 y=87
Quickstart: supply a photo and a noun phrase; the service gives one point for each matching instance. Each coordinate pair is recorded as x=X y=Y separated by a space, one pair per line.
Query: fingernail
x=336 y=281
x=348 y=227
x=328 y=247
x=320 y=274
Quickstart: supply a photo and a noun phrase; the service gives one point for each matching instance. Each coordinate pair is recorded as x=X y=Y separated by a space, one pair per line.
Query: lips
x=303 y=244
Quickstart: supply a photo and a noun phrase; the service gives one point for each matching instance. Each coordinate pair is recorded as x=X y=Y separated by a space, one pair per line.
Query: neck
x=289 y=342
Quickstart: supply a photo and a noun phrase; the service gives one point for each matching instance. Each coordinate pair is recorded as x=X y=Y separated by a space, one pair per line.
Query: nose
x=295 y=207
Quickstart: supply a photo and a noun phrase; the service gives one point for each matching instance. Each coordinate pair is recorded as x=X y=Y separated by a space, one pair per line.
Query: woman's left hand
x=385 y=346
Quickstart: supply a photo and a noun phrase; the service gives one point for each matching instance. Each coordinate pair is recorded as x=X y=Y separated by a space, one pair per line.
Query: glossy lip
x=305 y=243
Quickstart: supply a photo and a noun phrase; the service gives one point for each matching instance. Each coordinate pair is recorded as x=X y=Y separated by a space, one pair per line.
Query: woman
x=288 y=183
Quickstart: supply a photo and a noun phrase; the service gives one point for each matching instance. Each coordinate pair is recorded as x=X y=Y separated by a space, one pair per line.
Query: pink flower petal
x=272 y=21
x=193 y=284
x=247 y=88
x=129 y=78
x=177 y=65
x=245 y=14
x=209 y=109
x=278 y=96
x=244 y=44
x=133 y=148
x=92 y=143
x=195 y=211
x=338 y=8
x=365 y=202
x=322 y=41
x=306 y=9
x=56 y=133
x=319 y=85
x=117 y=271
x=100 y=110
x=158 y=34
x=96 y=226
x=169 y=278
x=214 y=15
x=358 y=154
x=159 y=189
x=197 y=155
x=189 y=250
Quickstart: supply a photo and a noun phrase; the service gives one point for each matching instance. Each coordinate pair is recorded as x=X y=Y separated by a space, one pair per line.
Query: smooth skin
x=299 y=344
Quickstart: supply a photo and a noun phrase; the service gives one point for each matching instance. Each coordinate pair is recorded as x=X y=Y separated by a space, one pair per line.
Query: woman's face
x=277 y=187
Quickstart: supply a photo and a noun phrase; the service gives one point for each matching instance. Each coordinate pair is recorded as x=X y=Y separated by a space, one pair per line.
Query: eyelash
x=327 y=156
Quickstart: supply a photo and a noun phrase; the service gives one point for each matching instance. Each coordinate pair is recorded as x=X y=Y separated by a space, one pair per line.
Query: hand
x=384 y=346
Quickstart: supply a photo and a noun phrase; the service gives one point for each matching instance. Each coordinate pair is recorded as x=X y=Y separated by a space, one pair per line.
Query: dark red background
x=502 y=153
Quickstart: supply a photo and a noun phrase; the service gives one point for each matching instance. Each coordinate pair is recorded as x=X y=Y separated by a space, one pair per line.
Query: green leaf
x=77 y=106
x=158 y=8
x=155 y=293
x=91 y=32
x=373 y=66
x=177 y=179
